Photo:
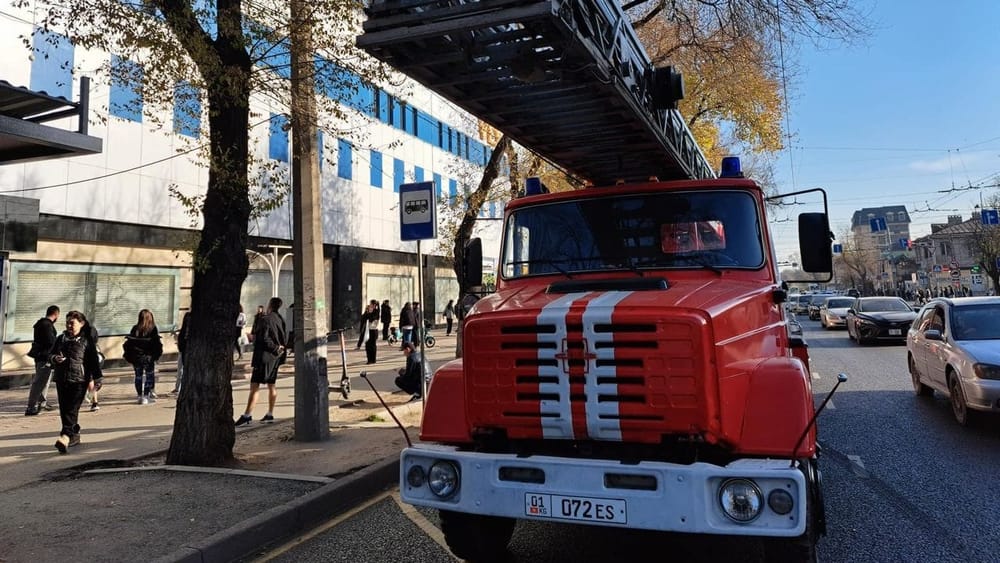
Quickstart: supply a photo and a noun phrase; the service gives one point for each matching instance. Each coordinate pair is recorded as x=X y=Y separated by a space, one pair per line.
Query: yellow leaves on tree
x=731 y=91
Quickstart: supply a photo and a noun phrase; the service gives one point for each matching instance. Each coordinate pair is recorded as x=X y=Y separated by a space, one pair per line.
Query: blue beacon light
x=731 y=167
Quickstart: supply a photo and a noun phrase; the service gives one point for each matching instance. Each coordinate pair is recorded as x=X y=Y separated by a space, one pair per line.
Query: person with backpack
x=42 y=343
x=143 y=349
x=75 y=362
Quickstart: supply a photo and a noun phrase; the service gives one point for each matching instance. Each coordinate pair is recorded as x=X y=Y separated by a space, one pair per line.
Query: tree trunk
x=203 y=426
x=472 y=206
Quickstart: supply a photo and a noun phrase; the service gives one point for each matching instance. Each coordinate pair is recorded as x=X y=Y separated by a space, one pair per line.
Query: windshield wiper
x=630 y=263
x=701 y=259
x=547 y=262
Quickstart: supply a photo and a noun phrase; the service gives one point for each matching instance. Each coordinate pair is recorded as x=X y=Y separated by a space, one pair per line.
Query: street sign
x=955 y=274
x=904 y=243
x=990 y=217
x=417 y=206
x=877 y=224
x=955 y=266
x=838 y=249
x=937 y=267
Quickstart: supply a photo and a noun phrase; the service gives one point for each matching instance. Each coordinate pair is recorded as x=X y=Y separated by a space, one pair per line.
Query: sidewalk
x=130 y=506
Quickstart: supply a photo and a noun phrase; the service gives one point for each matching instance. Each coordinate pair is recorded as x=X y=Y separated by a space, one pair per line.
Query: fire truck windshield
x=718 y=229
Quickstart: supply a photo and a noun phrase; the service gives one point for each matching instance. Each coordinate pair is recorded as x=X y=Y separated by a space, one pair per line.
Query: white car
x=953 y=348
x=833 y=311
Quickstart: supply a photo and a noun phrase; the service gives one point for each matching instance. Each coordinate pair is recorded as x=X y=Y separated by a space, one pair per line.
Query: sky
x=908 y=116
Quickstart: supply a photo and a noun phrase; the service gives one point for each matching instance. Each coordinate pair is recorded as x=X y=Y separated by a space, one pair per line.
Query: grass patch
x=374 y=418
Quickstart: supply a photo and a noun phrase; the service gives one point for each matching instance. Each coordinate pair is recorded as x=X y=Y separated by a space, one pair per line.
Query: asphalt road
x=903 y=483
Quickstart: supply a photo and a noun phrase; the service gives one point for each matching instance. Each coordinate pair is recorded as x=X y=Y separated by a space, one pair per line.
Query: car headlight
x=741 y=500
x=868 y=322
x=442 y=479
x=986 y=371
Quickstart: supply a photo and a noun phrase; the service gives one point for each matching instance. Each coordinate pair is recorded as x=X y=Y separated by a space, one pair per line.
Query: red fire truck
x=634 y=367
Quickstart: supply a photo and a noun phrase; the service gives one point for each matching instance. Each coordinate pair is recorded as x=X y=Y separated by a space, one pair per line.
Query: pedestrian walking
x=373 y=320
x=75 y=361
x=43 y=340
x=241 y=322
x=449 y=315
x=92 y=387
x=418 y=323
x=182 y=340
x=269 y=352
x=363 y=324
x=386 y=317
x=406 y=323
x=143 y=349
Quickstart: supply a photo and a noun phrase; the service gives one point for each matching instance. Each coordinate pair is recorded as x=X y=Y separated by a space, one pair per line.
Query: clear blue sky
x=912 y=111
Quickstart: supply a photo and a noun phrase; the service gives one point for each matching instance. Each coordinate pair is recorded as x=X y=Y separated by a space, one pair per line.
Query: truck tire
x=793 y=550
x=803 y=548
x=476 y=538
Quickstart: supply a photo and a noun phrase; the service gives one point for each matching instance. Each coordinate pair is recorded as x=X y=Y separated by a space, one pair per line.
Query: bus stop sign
x=417 y=206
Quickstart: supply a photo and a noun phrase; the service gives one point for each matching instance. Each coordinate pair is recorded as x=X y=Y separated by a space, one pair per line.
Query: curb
x=294 y=517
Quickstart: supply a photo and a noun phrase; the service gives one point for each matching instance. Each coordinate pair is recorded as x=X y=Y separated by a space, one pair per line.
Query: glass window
x=720 y=229
x=980 y=322
x=880 y=304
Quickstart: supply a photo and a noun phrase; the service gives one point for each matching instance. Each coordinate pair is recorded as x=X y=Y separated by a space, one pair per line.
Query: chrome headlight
x=741 y=500
x=986 y=371
x=442 y=479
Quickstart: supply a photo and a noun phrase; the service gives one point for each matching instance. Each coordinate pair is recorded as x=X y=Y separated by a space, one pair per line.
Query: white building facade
x=113 y=239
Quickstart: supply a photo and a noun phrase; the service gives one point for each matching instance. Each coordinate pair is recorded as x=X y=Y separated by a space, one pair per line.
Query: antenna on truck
x=841 y=378
x=364 y=375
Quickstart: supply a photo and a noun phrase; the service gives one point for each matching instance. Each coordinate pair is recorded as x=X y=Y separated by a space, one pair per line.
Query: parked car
x=833 y=311
x=954 y=348
x=879 y=318
x=815 y=301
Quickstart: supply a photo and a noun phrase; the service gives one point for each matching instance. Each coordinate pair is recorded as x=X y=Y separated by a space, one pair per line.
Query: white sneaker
x=152 y=395
x=143 y=401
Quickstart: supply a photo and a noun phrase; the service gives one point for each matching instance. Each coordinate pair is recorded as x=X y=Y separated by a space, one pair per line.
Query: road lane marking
x=858 y=466
x=830 y=406
x=815 y=375
x=423 y=523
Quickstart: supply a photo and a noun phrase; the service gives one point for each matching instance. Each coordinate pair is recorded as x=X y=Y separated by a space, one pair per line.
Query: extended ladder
x=567 y=79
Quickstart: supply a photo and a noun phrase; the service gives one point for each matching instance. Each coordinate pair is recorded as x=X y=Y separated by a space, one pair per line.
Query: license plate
x=895 y=332
x=587 y=509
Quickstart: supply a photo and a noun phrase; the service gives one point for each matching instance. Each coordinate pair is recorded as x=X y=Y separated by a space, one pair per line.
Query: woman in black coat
x=75 y=362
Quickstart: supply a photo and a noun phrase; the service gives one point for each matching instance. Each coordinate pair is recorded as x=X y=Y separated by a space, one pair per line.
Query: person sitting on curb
x=410 y=377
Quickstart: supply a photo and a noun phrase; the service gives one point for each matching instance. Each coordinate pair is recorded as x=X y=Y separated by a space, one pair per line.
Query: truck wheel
x=793 y=550
x=476 y=538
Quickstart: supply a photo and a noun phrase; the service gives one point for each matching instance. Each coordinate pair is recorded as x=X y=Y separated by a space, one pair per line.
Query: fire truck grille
x=599 y=381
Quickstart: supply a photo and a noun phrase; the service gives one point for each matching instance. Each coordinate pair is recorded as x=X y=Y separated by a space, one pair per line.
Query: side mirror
x=933 y=334
x=814 y=242
x=852 y=311
x=472 y=264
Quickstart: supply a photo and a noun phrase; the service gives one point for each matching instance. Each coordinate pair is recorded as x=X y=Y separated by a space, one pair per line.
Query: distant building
x=893 y=244
x=950 y=245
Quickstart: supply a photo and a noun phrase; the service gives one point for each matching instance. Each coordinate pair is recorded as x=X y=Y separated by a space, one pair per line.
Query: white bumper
x=651 y=495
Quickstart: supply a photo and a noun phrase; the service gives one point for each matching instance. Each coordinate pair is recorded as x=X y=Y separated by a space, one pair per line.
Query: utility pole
x=312 y=404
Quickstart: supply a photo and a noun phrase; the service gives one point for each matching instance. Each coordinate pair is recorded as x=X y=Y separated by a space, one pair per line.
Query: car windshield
x=882 y=305
x=718 y=229
x=818 y=299
x=839 y=303
x=979 y=322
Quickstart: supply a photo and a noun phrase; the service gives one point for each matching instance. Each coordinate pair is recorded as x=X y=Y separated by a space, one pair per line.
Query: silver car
x=953 y=347
x=833 y=312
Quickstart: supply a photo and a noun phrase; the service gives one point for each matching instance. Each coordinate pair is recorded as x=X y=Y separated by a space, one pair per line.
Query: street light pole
x=274 y=263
